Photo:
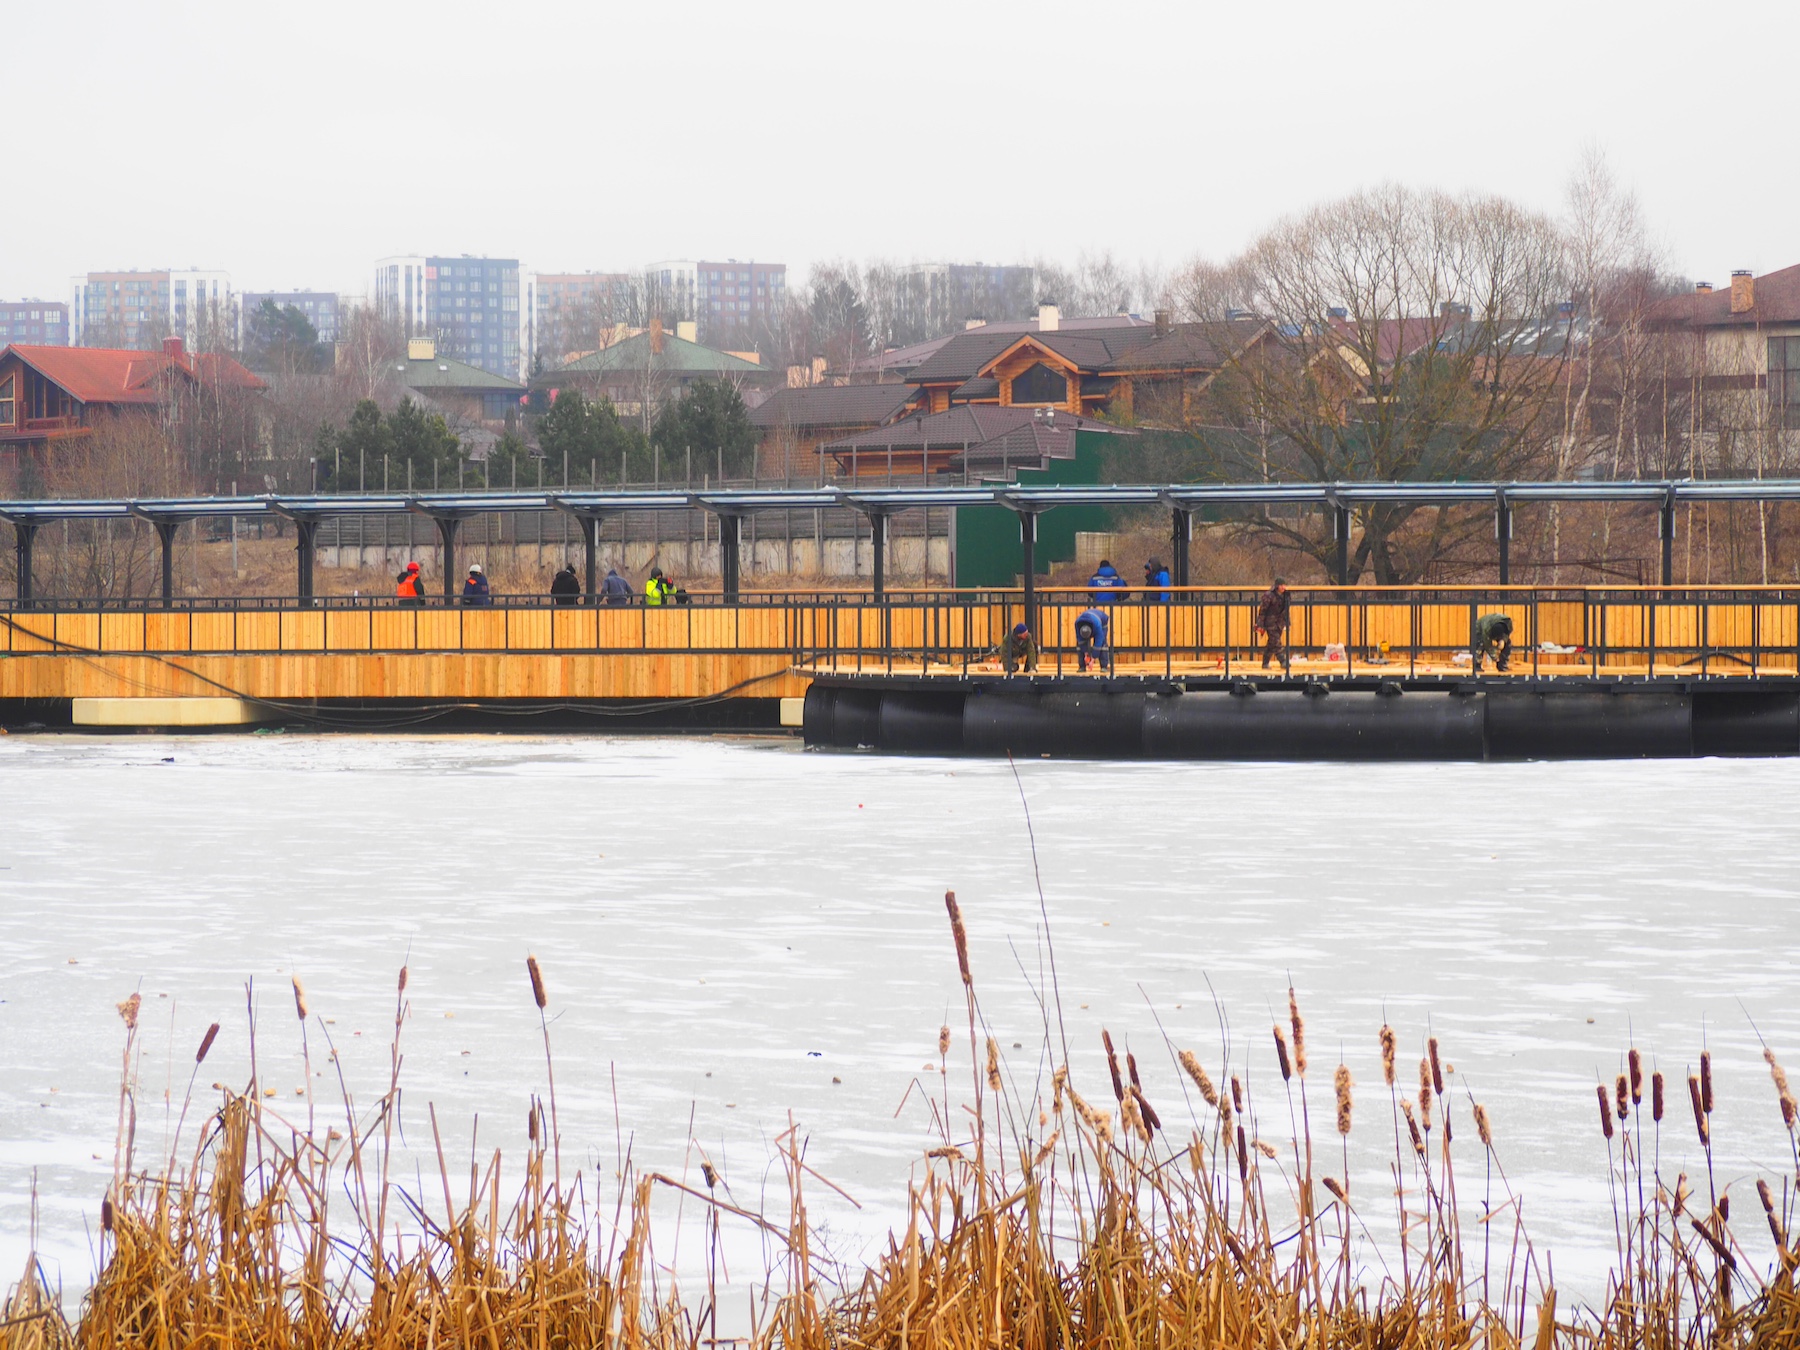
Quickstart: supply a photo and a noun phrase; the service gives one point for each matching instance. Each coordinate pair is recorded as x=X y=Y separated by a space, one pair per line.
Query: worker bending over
x=1093 y=640
x=1493 y=637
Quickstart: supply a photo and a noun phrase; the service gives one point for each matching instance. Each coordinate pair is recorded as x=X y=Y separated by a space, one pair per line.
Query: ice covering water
x=735 y=931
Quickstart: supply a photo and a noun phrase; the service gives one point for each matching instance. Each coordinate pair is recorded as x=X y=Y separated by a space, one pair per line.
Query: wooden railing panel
x=122 y=633
x=440 y=630
x=168 y=632
x=572 y=629
x=477 y=630
x=393 y=630
x=301 y=630
x=79 y=630
x=349 y=630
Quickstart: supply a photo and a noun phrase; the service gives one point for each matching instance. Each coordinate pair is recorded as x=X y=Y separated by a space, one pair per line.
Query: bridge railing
x=1369 y=630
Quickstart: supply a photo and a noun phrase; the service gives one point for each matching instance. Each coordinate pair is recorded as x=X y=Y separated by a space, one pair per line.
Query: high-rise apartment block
x=471 y=307
x=939 y=298
x=726 y=297
x=38 y=323
x=321 y=308
x=569 y=308
x=137 y=309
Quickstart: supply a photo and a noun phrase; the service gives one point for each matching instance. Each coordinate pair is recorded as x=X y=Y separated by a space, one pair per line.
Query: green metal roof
x=678 y=356
x=447 y=373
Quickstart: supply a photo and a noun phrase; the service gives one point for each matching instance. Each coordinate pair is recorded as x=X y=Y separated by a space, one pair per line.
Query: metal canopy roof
x=1181 y=496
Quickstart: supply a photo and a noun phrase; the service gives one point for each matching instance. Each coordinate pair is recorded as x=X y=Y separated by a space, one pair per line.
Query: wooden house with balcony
x=54 y=394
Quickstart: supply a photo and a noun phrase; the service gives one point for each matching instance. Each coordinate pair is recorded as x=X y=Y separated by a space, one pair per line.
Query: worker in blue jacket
x=1106 y=585
x=1093 y=639
x=1155 y=576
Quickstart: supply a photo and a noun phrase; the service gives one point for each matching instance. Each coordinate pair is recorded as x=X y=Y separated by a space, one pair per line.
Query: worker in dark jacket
x=1019 y=648
x=1106 y=585
x=410 y=587
x=1272 y=623
x=565 y=586
x=475 y=587
x=1493 y=637
x=1156 y=575
x=1092 y=639
x=615 y=588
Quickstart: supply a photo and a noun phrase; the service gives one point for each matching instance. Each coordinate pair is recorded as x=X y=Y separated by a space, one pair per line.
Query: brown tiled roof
x=1777 y=297
x=903 y=360
x=1190 y=346
x=834 y=405
x=109 y=375
x=968 y=354
x=982 y=386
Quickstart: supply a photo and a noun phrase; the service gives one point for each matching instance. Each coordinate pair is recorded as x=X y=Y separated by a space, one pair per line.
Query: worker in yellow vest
x=659 y=590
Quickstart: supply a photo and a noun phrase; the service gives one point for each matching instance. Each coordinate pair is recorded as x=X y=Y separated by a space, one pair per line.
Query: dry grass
x=1042 y=1220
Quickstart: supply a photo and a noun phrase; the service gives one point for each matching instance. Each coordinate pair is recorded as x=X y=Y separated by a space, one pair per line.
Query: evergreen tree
x=590 y=437
x=710 y=419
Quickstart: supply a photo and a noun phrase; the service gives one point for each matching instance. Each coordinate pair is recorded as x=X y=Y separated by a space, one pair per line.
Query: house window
x=1784 y=380
x=6 y=401
x=1040 y=384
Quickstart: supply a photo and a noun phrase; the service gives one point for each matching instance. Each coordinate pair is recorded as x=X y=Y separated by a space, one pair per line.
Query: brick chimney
x=1049 y=317
x=1703 y=288
x=1743 y=292
x=173 y=348
x=1164 y=322
x=656 y=337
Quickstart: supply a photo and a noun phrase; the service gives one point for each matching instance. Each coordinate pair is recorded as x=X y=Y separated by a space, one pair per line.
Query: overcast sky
x=295 y=144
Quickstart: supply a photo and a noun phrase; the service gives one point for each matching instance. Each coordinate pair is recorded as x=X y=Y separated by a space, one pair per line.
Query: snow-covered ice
x=728 y=927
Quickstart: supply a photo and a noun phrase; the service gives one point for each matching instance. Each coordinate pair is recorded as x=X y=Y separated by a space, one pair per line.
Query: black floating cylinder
x=1090 y=723
x=1526 y=724
x=1290 y=725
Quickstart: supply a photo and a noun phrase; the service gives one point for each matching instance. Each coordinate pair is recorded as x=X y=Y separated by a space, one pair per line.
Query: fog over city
x=292 y=148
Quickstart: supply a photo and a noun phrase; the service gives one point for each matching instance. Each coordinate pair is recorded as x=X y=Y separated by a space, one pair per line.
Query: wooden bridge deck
x=773 y=645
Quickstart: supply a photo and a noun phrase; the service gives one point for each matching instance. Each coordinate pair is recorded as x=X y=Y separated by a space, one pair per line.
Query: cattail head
x=206 y=1041
x=1706 y=1095
x=1606 y=1125
x=1131 y=1070
x=943 y=1041
x=1635 y=1063
x=1425 y=1092
x=1059 y=1080
x=712 y=1177
x=1281 y=1053
x=1437 y=1069
x=1482 y=1127
x=1298 y=1025
x=1622 y=1097
x=1145 y=1109
x=1191 y=1066
x=1266 y=1149
x=1656 y=1096
x=961 y=935
x=531 y=1123
x=1789 y=1112
x=1389 y=1044
x=1134 y=1118
x=1331 y=1184
x=1697 y=1098
x=299 y=999
x=1412 y=1126
x=1768 y=1203
x=993 y=1063
x=1237 y=1094
x=402 y=986
x=106 y=1215
x=1243 y=1152
x=128 y=1011
x=1112 y=1065
x=1097 y=1121
x=537 y=982
x=1341 y=1081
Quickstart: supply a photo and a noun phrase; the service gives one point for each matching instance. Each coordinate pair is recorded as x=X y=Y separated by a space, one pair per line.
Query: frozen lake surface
x=730 y=928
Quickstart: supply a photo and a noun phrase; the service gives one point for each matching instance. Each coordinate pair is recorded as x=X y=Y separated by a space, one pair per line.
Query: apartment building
x=38 y=322
x=471 y=308
x=569 y=308
x=138 y=309
x=727 y=298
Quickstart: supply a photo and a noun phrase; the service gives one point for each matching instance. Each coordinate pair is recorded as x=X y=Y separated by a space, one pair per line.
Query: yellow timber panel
x=79 y=630
x=480 y=630
x=301 y=630
x=1775 y=626
x=528 y=630
x=33 y=632
x=393 y=630
x=259 y=631
x=213 y=632
x=347 y=629
x=122 y=632
x=706 y=628
x=621 y=627
x=572 y=628
x=439 y=630
x=1389 y=623
x=167 y=633
x=664 y=627
x=1561 y=622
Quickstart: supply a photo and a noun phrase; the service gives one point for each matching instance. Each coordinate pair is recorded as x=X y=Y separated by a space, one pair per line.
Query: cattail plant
x=1281 y=1054
x=1341 y=1082
x=1389 y=1048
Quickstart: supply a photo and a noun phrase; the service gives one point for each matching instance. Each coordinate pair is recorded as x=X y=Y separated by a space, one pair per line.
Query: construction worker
x=1092 y=639
x=1019 y=648
x=615 y=588
x=1272 y=623
x=1156 y=576
x=475 y=587
x=1106 y=585
x=659 y=590
x=410 y=586
x=1493 y=637
x=565 y=586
